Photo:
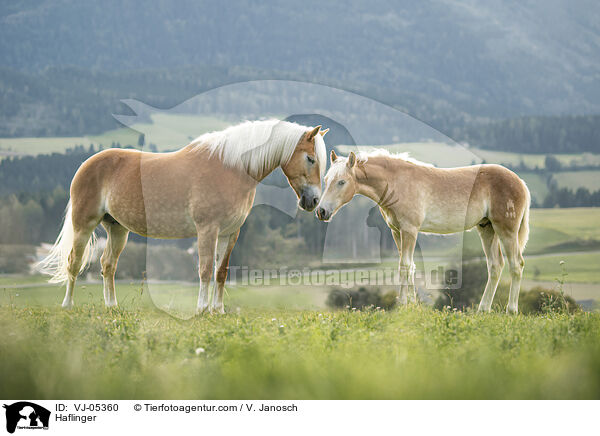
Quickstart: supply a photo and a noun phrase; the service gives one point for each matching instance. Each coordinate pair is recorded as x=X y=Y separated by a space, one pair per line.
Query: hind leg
x=80 y=240
x=495 y=264
x=225 y=245
x=207 y=241
x=516 y=263
x=117 y=238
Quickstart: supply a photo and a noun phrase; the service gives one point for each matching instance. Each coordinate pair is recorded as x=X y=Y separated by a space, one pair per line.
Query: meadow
x=576 y=179
x=278 y=352
x=282 y=343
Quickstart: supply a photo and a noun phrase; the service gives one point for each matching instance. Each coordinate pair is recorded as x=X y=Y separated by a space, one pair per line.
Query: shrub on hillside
x=360 y=299
x=16 y=259
x=540 y=300
x=474 y=277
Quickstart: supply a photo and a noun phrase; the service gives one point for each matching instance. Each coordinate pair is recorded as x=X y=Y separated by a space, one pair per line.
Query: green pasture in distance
x=576 y=179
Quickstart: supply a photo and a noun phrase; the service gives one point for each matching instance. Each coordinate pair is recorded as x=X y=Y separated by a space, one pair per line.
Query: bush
x=474 y=278
x=360 y=299
x=540 y=300
x=16 y=259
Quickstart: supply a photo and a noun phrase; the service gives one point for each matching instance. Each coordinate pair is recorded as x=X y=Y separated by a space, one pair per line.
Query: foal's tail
x=524 y=228
x=57 y=262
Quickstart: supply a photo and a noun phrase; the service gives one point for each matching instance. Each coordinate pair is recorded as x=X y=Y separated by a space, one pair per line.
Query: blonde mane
x=255 y=146
x=363 y=156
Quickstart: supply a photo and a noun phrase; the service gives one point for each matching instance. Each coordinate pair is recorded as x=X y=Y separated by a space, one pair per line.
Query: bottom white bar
x=300 y=417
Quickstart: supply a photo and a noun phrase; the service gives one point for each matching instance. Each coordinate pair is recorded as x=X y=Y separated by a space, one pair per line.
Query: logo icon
x=26 y=415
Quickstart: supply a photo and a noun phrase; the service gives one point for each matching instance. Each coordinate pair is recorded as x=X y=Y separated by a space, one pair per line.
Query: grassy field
x=556 y=231
x=576 y=179
x=139 y=352
x=280 y=342
x=166 y=131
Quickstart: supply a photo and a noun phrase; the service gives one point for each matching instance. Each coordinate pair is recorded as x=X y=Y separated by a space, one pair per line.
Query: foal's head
x=303 y=170
x=340 y=185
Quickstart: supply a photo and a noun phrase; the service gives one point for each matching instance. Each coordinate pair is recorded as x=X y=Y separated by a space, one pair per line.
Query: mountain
x=445 y=62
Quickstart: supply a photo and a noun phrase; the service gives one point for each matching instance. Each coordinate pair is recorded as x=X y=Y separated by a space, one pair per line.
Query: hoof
x=67 y=305
x=202 y=310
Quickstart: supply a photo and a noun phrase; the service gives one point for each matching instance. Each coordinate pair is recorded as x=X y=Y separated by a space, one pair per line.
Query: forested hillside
x=567 y=134
x=449 y=64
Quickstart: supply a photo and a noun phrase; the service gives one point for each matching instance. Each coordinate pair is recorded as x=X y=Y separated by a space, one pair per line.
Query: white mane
x=365 y=155
x=255 y=146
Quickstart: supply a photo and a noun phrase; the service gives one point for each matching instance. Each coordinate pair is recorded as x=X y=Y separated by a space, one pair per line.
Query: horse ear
x=333 y=156
x=324 y=132
x=351 y=160
x=313 y=132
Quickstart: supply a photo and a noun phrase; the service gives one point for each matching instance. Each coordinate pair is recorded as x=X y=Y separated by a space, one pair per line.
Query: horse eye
x=341 y=182
x=310 y=159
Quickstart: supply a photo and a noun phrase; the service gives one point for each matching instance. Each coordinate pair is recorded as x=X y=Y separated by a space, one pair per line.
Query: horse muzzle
x=323 y=214
x=309 y=199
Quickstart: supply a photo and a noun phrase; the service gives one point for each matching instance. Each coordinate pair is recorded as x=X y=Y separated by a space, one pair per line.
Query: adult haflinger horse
x=414 y=197
x=205 y=189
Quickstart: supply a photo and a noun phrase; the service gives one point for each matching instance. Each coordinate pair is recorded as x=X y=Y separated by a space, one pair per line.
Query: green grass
x=581 y=268
x=176 y=298
x=137 y=352
x=578 y=223
x=166 y=131
x=576 y=179
x=35 y=146
x=553 y=231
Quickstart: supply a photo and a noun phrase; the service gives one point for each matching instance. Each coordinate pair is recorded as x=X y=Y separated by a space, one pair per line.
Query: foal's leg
x=117 y=238
x=207 y=239
x=402 y=297
x=225 y=245
x=406 y=241
x=516 y=264
x=495 y=263
x=409 y=241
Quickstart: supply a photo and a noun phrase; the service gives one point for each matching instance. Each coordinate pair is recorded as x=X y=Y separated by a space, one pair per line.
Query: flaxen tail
x=524 y=228
x=57 y=261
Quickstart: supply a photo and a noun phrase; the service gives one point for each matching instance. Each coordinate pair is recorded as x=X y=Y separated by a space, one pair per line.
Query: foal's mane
x=363 y=156
x=255 y=146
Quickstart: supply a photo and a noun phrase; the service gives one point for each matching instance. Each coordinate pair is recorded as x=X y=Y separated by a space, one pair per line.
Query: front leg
x=402 y=297
x=406 y=242
x=409 y=242
x=207 y=239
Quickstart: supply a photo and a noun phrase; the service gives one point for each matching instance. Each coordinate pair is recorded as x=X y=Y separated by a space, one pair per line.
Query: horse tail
x=57 y=262
x=524 y=227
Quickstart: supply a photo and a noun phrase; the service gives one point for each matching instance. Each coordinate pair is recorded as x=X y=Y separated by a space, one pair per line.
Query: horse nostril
x=315 y=200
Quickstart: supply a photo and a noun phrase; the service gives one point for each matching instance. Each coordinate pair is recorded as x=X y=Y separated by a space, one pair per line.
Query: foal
x=413 y=197
x=206 y=189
